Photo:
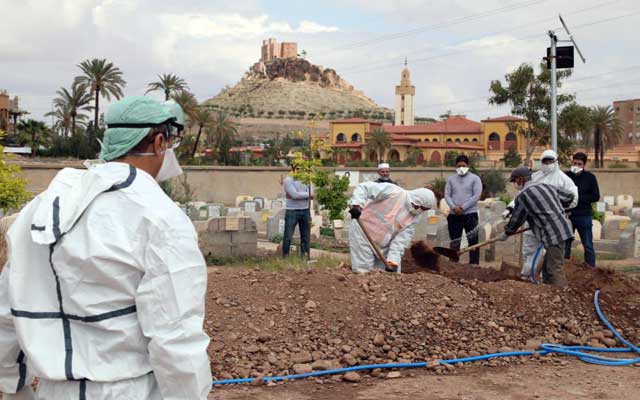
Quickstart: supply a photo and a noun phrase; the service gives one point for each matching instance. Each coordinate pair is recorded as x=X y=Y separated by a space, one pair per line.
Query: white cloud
x=313 y=27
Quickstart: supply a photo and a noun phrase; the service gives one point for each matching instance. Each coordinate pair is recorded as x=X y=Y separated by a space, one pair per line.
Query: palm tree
x=379 y=141
x=62 y=116
x=34 y=134
x=103 y=78
x=187 y=101
x=203 y=118
x=168 y=83
x=221 y=134
x=74 y=101
x=607 y=131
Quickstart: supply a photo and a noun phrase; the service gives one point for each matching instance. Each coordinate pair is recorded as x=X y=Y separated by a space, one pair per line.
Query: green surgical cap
x=131 y=110
x=176 y=111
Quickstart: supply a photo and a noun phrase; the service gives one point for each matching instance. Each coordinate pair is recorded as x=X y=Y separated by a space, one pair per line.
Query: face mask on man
x=575 y=169
x=546 y=168
x=462 y=171
x=170 y=167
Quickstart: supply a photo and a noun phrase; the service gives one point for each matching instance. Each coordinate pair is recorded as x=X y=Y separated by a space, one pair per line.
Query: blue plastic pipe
x=534 y=264
x=545 y=348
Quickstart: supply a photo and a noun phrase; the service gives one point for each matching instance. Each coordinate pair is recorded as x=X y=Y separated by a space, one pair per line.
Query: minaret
x=404 y=99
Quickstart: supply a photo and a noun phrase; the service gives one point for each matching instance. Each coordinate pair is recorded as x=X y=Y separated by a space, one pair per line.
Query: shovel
x=454 y=254
x=381 y=256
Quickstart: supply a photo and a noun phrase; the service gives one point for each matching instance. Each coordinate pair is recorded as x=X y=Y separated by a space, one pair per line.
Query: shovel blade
x=451 y=254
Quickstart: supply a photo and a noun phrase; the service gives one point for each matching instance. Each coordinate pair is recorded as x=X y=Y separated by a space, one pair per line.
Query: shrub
x=512 y=158
x=493 y=182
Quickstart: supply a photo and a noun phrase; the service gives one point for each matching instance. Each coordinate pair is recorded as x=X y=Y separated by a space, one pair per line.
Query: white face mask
x=170 y=167
x=414 y=211
x=519 y=187
x=575 y=169
x=462 y=170
x=546 y=168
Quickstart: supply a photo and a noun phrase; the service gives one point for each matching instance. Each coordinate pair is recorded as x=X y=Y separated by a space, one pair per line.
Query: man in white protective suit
x=389 y=214
x=103 y=293
x=549 y=173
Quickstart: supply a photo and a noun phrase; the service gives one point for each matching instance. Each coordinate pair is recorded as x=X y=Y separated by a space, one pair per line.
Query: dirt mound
x=273 y=323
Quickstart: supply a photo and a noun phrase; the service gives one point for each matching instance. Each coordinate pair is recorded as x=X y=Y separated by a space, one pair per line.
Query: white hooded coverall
x=103 y=293
x=389 y=218
x=556 y=177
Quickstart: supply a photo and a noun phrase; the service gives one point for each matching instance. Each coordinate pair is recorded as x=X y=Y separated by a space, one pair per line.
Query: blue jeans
x=583 y=225
x=303 y=219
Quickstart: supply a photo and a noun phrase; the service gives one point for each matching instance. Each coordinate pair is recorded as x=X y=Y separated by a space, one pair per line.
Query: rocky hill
x=294 y=89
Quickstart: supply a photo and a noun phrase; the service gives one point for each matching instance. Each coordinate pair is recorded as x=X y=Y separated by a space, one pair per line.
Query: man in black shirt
x=581 y=218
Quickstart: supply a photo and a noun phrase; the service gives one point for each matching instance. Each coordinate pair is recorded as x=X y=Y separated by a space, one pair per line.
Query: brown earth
x=275 y=323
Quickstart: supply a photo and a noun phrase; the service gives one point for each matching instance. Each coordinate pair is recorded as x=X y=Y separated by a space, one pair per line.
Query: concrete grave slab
x=625 y=201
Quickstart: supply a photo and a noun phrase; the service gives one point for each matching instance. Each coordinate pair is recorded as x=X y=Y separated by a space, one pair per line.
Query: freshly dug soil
x=274 y=323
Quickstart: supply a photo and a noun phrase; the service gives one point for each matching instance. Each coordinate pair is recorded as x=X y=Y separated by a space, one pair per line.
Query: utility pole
x=565 y=62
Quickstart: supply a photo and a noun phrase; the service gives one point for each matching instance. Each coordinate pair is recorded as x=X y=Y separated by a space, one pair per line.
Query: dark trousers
x=584 y=225
x=302 y=218
x=468 y=223
x=552 y=272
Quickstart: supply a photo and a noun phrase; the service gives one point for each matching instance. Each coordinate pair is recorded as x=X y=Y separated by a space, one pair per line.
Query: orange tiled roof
x=505 y=118
x=455 y=124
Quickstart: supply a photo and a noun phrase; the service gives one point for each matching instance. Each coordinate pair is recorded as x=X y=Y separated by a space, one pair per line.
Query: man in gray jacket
x=462 y=193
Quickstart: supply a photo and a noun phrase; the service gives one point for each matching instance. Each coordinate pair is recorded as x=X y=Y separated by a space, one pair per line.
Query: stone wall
x=224 y=184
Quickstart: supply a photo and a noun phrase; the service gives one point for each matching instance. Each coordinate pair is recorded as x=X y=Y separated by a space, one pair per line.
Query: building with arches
x=491 y=139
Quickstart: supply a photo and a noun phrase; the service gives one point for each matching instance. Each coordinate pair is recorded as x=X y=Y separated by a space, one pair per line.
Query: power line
x=461 y=51
x=509 y=30
x=446 y=24
x=569 y=80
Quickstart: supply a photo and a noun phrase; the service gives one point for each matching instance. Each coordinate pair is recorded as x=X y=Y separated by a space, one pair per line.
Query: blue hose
x=534 y=264
x=545 y=348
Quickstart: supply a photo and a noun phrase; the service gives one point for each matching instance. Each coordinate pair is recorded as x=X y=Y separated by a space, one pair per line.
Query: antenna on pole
x=571 y=38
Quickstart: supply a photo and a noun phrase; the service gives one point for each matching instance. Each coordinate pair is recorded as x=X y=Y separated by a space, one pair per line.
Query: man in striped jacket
x=542 y=206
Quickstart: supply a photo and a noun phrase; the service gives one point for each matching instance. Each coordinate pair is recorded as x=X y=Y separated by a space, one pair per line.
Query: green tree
x=34 y=134
x=529 y=95
x=62 y=120
x=493 y=182
x=450 y=158
x=203 y=118
x=444 y=116
x=74 y=101
x=379 y=141
x=187 y=101
x=13 y=192
x=168 y=83
x=512 y=158
x=607 y=131
x=221 y=134
x=103 y=79
x=574 y=123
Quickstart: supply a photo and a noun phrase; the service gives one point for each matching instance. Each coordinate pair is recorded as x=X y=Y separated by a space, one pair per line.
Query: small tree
x=493 y=182
x=13 y=193
x=450 y=158
x=512 y=158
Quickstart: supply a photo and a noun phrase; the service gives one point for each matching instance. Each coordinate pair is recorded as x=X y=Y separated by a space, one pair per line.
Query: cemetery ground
x=274 y=317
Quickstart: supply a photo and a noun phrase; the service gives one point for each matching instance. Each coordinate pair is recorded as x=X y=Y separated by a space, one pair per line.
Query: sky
x=454 y=48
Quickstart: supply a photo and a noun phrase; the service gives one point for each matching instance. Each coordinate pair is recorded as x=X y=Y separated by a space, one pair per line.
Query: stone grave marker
x=614 y=226
x=610 y=200
x=601 y=206
x=233 y=211
x=596 y=230
x=624 y=201
x=228 y=236
x=240 y=199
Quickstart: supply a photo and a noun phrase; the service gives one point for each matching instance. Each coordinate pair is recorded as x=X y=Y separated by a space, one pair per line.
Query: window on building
x=474 y=139
x=402 y=97
x=457 y=140
x=426 y=140
x=341 y=137
x=435 y=140
x=449 y=140
x=465 y=140
x=494 y=137
x=355 y=137
x=511 y=137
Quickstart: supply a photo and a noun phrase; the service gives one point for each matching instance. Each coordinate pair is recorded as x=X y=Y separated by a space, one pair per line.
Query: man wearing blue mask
x=462 y=193
x=103 y=293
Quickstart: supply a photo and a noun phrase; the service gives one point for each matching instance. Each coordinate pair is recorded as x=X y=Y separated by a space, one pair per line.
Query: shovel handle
x=375 y=246
x=495 y=239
